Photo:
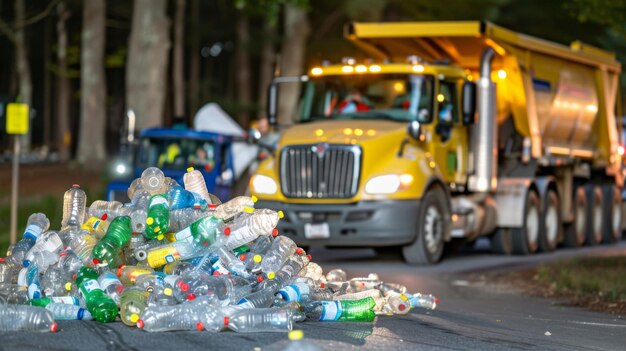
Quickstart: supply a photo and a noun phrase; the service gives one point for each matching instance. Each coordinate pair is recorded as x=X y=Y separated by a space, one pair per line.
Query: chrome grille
x=320 y=171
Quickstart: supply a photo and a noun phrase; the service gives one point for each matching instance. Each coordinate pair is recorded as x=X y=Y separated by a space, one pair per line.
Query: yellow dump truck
x=450 y=131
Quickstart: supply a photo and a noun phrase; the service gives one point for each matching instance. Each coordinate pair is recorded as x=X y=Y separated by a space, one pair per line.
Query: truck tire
x=526 y=238
x=595 y=215
x=612 y=214
x=502 y=241
x=576 y=232
x=551 y=229
x=433 y=225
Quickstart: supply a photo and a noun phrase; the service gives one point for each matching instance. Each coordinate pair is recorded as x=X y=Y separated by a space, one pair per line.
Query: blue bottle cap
x=81 y=313
x=36 y=295
x=26 y=263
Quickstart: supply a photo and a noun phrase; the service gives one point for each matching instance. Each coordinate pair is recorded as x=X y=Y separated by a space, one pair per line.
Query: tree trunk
x=266 y=66
x=147 y=62
x=194 y=58
x=91 y=146
x=47 y=85
x=242 y=68
x=64 y=139
x=178 y=71
x=292 y=60
x=23 y=69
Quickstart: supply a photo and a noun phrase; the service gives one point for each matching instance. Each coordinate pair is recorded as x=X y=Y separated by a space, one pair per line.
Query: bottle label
x=91 y=224
x=245 y=304
x=161 y=257
x=108 y=279
x=219 y=267
x=91 y=285
x=33 y=230
x=158 y=200
x=184 y=234
x=68 y=300
x=331 y=311
x=21 y=277
x=52 y=243
x=294 y=292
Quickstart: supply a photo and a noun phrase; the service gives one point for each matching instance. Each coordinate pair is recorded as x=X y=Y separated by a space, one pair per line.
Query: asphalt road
x=471 y=315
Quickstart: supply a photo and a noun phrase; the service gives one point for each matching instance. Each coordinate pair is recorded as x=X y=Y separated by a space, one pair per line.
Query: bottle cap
x=54 y=327
x=299 y=251
x=119 y=289
x=322 y=285
x=216 y=273
x=257 y=258
x=160 y=236
x=200 y=326
x=149 y=221
x=2 y=259
x=309 y=257
x=436 y=300
x=281 y=214
x=402 y=307
x=134 y=318
x=68 y=286
x=157 y=229
x=104 y=217
x=167 y=292
x=184 y=287
x=271 y=275
x=254 y=199
x=75 y=185
x=274 y=232
x=189 y=169
x=259 y=278
x=74 y=276
x=191 y=296
x=96 y=261
x=227 y=231
x=26 y=263
x=296 y=335
x=248 y=209
x=140 y=324
x=242 y=257
x=226 y=320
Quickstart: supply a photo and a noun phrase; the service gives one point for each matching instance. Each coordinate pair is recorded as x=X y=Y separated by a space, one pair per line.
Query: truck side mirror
x=272 y=101
x=469 y=103
x=415 y=130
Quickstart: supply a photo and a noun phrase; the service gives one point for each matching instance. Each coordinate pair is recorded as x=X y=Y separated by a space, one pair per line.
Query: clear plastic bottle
x=128 y=274
x=99 y=208
x=161 y=296
x=45 y=301
x=304 y=291
x=226 y=289
x=48 y=241
x=298 y=343
x=336 y=275
x=397 y=303
x=69 y=261
x=231 y=263
x=180 y=250
x=341 y=311
x=141 y=199
x=132 y=305
x=229 y=209
x=37 y=223
x=138 y=220
x=246 y=229
x=111 y=285
x=7 y=271
x=101 y=307
x=169 y=318
x=262 y=320
x=54 y=280
x=74 y=202
x=281 y=250
x=82 y=245
x=152 y=180
x=203 y=232
x=423 y=301
x=194 y=182
x=29 y=277
x=26 y=318
x=158 y=220
x=182 y=218
x=372 y=281
x=61 y=311
x=43 y=260
x=107 y=250
x=13 y=294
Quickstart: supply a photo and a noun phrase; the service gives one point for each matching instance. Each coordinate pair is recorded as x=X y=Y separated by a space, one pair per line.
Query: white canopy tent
x=211 y=118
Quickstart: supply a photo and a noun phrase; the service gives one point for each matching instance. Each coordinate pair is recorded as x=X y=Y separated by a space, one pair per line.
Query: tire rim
x=552 y=219
x=433 y=229
x=532 y=226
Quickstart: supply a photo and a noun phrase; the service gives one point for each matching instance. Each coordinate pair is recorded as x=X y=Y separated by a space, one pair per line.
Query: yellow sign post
x=17 y=124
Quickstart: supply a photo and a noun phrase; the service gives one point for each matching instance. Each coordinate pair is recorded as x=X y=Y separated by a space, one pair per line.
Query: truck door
x=450 y=137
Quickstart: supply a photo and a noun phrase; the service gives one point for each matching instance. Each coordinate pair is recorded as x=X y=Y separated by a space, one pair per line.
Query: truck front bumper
x=368 y=223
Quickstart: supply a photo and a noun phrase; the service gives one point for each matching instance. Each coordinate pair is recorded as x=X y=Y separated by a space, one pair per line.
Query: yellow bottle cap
x=254 y=199
x=149 y=221
x=68 y=286
x=134 y=318
x=160 y=237
x=271 y=275
x=248 y=209
x=257 y=258
x=403 y=297
x=189 y=169
x=167 y=292
x=296 y=335
x=157 y=229
x=281 y=214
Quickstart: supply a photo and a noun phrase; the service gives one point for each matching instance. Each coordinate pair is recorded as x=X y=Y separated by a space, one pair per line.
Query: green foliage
x=611 y=13
x=269 y=9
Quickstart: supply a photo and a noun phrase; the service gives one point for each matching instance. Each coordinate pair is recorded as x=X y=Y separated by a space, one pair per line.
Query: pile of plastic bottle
x=174 y=258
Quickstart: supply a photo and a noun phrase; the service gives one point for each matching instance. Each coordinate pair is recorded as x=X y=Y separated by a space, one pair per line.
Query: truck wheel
x=526 y=238
x=550 y=230
x=575 y=232
x=502 y=241
x=612 y=213
x=433 y=225
x=595 y=215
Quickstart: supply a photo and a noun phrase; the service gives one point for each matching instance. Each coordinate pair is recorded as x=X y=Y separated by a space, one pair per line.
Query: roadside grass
x=50 y=205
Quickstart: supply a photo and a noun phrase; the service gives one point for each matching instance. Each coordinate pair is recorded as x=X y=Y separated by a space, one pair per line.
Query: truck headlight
x=388 y=184
x=263 y=184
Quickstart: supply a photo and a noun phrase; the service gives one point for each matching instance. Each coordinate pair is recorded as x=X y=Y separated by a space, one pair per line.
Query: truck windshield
x=176 y=153
x=390 y=96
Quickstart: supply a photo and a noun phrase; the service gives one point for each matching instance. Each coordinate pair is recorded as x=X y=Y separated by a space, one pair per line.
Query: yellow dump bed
x=563 y=98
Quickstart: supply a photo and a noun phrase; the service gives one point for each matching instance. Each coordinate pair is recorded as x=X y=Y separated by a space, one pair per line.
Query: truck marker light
x=374 y=68
x=405 y=181
x=347 y=69
x=502 y=74
x=591 y=108
x=361 y=69
x=316 y=71
x=441 y=98
x=347 y=131
x=418 y=68
x=621 y=150
x=319 y=132
x=371 y=132
x=358 y=132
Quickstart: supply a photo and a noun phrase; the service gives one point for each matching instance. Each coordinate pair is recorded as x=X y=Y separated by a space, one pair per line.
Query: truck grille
x=320 y=171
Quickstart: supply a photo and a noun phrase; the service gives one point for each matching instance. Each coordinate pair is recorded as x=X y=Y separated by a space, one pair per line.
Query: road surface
x=471 y=316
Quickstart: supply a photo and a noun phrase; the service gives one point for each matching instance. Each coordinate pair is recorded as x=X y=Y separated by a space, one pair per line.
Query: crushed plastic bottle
x=229 y=209
x=74 y=202
x=132 y=305
x=250 y=226
x=37 y=223
x=26 y=318
x=263 y=320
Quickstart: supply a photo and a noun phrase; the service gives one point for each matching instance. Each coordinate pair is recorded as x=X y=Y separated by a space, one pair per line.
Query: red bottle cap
x=2 y=259
x=96 y=261
x=242 y=257
x=217 y=273
x=274 y=232
x=104 y=217
x=259 y=278
x=140 y=324
x=436 y=300
x=309 y=257
x=191 y=296
x=184 y=287
x=200 y=326
x=76 y=185
x=226 y=320
x=212 y=206
x=227 y=231
x=299 y=251
x=54 y=327
x=322 y=285
x=74 y=276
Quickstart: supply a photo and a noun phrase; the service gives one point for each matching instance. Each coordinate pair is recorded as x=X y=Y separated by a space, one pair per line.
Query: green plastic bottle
x=342 y=311
x=108 y=249
x=202 y=232
x=132 y=304
x=158 y=220
x=102 y=308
